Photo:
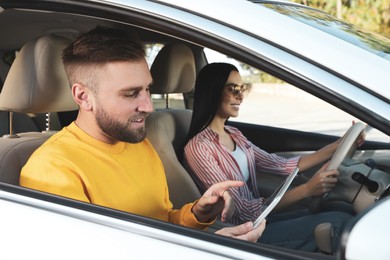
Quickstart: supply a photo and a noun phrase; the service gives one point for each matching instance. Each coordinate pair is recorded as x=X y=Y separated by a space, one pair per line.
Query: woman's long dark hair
x=209 y=86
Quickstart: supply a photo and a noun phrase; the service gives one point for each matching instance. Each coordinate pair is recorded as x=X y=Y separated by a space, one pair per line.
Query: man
x=103 y=156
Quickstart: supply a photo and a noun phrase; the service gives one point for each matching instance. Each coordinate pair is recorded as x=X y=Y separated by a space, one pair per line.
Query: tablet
x=273 y=200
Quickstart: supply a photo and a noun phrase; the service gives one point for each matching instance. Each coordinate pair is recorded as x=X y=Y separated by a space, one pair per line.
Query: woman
x=216 y=152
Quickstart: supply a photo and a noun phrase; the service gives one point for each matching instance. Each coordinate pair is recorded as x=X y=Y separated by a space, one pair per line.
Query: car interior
x=173 y=71
x=35 y=101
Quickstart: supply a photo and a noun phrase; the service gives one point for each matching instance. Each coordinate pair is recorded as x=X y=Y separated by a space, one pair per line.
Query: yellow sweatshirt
x=123 y=176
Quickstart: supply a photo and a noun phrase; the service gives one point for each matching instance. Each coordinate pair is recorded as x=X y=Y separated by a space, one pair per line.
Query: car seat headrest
x=173 y=70
x=37 y=82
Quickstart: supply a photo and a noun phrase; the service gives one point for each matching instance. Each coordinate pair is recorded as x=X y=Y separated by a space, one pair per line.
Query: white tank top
x=242 y=161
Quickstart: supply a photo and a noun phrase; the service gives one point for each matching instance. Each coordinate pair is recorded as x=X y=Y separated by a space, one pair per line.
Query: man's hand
x=216 y=200
x=244 y=231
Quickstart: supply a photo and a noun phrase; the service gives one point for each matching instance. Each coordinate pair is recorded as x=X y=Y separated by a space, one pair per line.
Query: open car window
x=273 y=102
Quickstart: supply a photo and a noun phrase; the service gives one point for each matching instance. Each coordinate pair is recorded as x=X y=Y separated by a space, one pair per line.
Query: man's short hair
x=96 y=48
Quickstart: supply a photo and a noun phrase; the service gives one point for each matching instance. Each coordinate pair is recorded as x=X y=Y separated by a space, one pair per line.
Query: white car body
x=39 y=226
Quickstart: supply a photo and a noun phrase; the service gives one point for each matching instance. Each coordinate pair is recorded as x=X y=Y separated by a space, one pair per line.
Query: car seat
x=36 y=83
x=173 y=71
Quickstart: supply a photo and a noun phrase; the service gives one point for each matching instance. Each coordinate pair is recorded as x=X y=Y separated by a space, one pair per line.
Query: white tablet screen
x=276 y=196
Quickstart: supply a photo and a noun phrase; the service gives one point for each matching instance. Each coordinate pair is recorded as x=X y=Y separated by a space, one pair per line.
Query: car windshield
x=371 y=42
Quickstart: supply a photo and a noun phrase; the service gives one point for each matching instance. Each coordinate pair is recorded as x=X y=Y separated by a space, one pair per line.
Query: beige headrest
x=173 y=70
x=36 y=82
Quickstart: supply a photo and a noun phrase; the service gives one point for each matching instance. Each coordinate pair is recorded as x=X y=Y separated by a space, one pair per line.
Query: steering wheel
x=346 y=149
x=347 y=146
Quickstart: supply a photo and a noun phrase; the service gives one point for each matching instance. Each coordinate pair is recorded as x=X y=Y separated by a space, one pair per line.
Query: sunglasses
x=236 y=89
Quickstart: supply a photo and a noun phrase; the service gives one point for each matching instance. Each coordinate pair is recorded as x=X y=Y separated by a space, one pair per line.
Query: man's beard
x=119 y=131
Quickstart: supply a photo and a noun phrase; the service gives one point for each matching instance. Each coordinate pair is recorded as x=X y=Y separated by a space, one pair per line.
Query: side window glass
x=275 y=103
x=8 y=58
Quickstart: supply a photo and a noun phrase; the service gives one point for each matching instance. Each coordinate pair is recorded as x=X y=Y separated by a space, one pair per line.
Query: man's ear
x=83 y=96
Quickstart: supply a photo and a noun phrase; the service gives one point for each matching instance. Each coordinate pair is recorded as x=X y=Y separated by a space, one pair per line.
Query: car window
x=273 y=102
x=6 y=60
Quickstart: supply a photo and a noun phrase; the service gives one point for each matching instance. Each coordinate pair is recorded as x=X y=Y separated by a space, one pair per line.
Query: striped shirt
x=210 y=162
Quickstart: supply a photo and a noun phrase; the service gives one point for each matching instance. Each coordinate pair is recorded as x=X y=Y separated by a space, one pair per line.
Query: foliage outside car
x=368 y=15
x=371 y=15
